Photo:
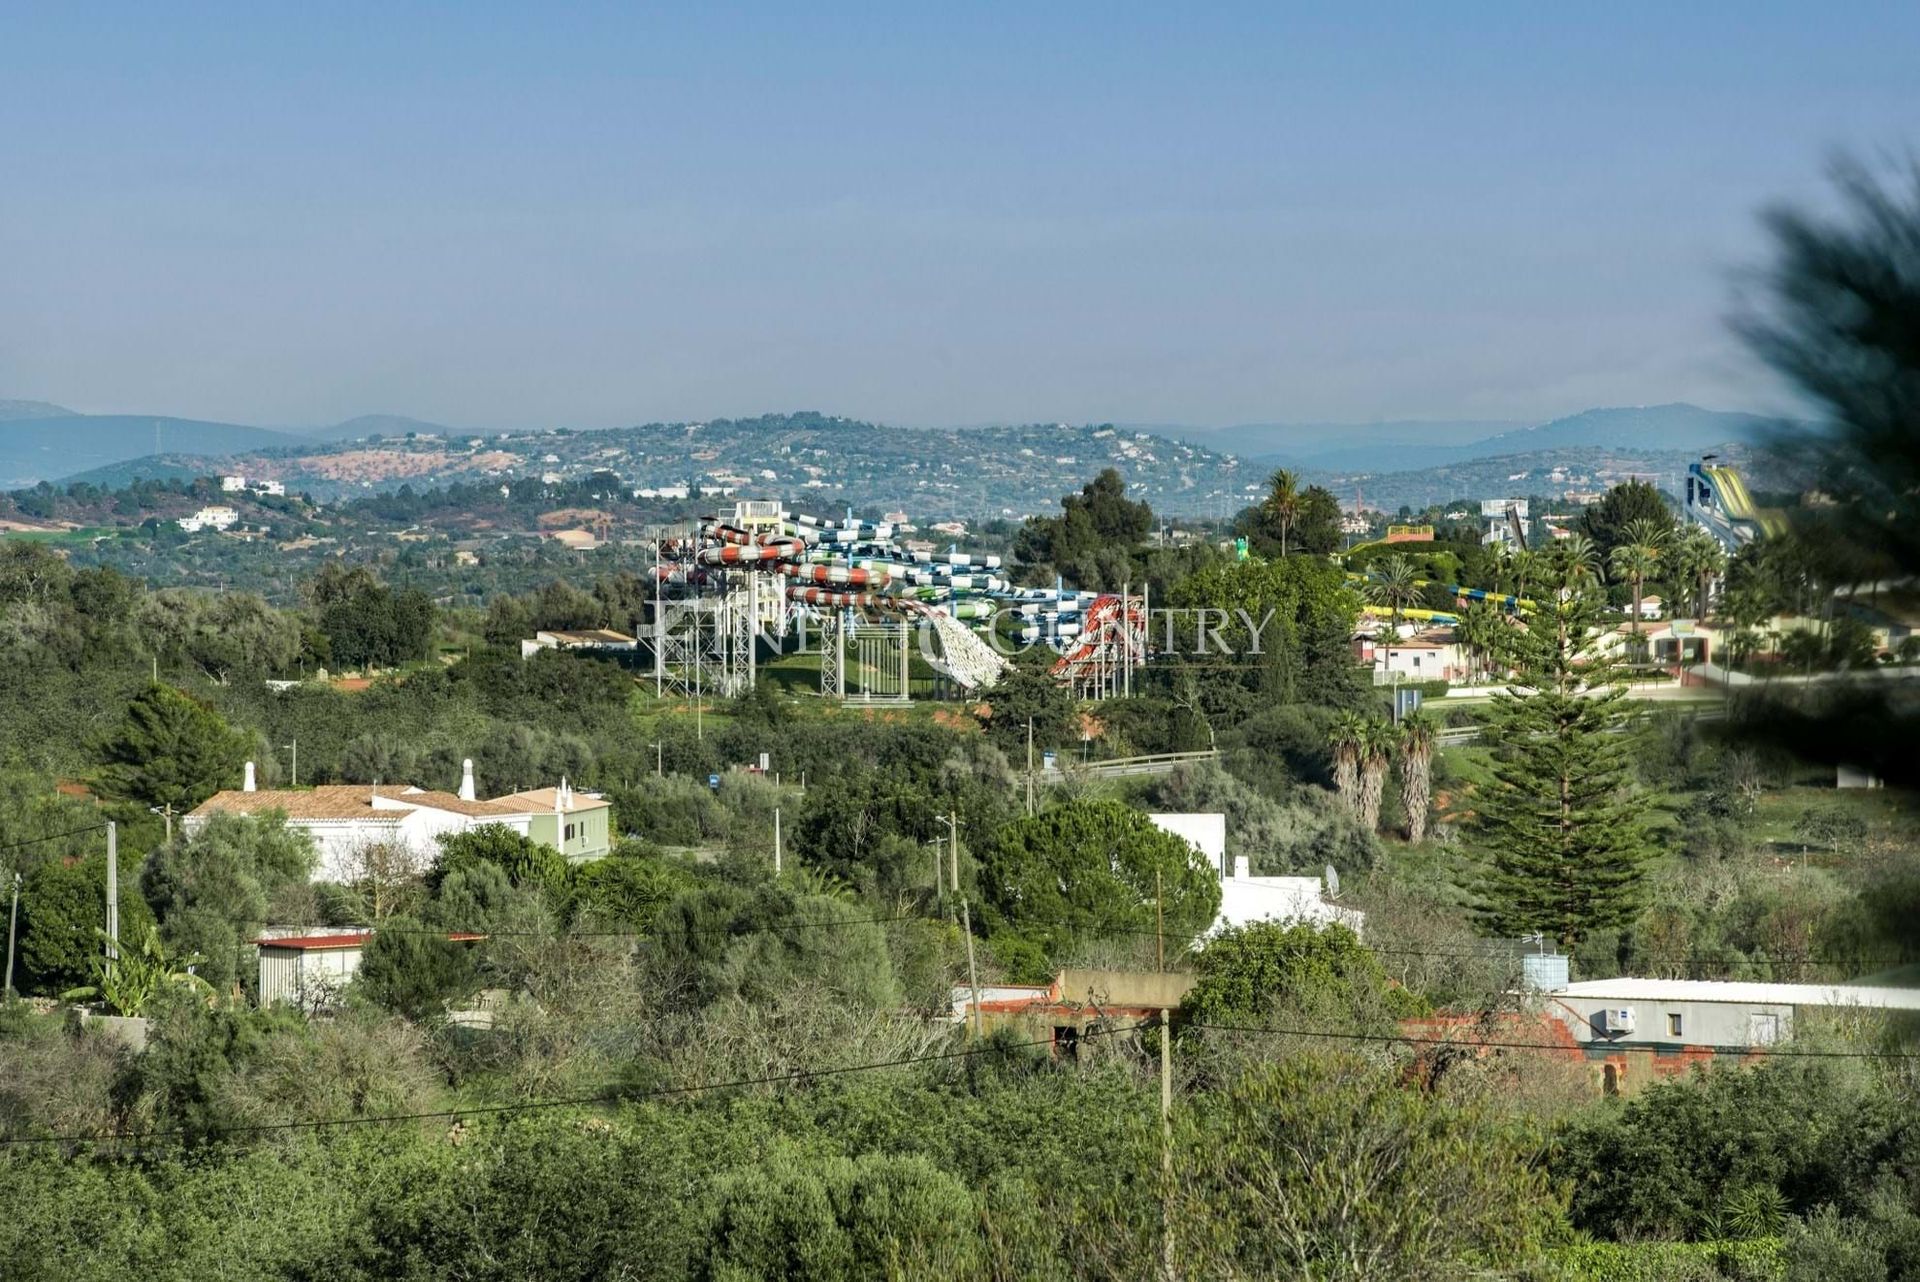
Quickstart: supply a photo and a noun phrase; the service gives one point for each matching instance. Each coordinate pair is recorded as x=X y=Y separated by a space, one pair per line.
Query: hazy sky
x=919 y=214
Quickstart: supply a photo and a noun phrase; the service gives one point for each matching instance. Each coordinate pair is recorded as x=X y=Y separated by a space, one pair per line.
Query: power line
x=581 y=934
x=1694 y=960
x=604 y=1097
x=1408 y=1038
x=54 y=836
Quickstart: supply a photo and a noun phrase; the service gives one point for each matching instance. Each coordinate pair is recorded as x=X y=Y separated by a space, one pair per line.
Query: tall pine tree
x=1559 y=825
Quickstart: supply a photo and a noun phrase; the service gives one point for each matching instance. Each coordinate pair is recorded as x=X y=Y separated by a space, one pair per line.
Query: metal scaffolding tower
x=833 y=654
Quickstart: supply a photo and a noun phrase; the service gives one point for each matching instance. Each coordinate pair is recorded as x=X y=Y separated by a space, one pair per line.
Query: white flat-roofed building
x=1245 y=898
x=215 y=517
x=1714 y=1015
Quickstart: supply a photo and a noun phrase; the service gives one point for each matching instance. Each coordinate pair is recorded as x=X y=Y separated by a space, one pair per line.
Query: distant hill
x=383 y=425
x=1650 y=427
x=154 y=467
x=37 y=449
x=1306 y=444
x=12 y=410
x=1646 y=427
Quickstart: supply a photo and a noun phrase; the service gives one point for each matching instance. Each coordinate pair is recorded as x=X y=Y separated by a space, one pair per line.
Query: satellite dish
x=1333 y=882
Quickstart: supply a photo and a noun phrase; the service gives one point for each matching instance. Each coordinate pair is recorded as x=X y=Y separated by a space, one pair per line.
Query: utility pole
x=953 y=850
x=1029 y=767
x=13 y=918
x=973 y=974
x=776 y=841
x=113 y=891
x=1166 y=1145
x=166 y=812
x=1159 y=923
x=658 y=769
x=293 y=772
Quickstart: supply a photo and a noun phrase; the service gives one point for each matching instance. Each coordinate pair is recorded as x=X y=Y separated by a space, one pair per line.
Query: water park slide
x=856 y=565
x=1441 y=617
x=1503 y=600
x=1738 y=501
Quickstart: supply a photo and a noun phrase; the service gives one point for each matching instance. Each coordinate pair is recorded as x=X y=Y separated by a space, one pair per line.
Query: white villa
x=216 y=517
x=346 y=820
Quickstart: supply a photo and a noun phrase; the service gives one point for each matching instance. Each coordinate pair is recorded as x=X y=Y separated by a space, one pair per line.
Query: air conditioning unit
x=1617 y=1019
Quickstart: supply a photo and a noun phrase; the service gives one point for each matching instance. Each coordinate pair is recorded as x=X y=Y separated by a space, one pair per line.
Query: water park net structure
x=761 y=576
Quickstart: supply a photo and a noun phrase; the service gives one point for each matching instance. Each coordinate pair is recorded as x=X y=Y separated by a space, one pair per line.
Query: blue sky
x=495 y=216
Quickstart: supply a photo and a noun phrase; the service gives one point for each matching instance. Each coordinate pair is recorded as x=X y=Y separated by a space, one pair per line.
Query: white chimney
x=466 y=780
x=1241 y=868
x=247 y=784
x=563 y=800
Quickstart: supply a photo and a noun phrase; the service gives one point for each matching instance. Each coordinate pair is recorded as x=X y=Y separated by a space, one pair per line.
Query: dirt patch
x=572 y=516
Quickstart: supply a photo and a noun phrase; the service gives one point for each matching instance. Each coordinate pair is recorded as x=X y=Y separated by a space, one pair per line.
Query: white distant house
x=1434 y=655
x=209 y=518
x=1245 y=898
x=240 y=484
x=1650 y=607
x=347 y=820
x=1499 y=516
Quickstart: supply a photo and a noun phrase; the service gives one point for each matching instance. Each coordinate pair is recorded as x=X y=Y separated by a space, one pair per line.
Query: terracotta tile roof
x=329 y=801
x=544 y=799
x=316 y=943
x=344 y=939
x=458 y=805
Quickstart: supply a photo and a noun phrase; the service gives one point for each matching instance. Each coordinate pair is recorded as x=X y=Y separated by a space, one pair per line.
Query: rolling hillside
x=1365 y=447
x=38 y=449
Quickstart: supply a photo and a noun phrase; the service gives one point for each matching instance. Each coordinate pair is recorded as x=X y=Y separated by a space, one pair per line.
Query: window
x=1674 y=1028
x=1762 y=1029
x=569 y=832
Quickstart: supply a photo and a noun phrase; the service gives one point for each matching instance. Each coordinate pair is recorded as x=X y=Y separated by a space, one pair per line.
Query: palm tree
x=1698 y=557
x=1395 y=585
x=1638 y=559
x=1480 y=630
x=1520 y=566
x=1376 y=753
x=1347 y=739
x=1416 y=773
x=1282 y=504
x=1579 y=558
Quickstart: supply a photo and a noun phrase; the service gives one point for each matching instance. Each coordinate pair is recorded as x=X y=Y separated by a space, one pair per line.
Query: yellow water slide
x=1739 y=504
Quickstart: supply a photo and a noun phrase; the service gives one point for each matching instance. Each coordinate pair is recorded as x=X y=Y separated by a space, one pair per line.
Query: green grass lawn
x=1890 y=813
x=66 y=538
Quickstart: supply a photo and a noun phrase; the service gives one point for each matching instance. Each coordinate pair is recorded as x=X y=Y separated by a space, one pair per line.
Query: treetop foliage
x=1564 y=834
x=1081 y=869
